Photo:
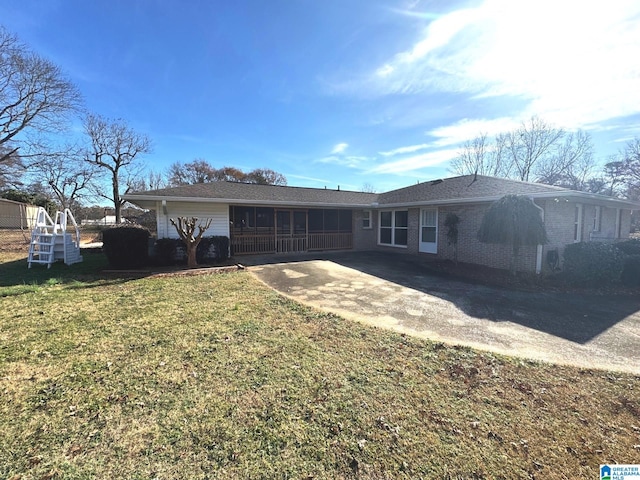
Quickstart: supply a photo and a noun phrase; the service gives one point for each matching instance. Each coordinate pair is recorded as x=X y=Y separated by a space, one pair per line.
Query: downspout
x=539 y=246
x=166 y=218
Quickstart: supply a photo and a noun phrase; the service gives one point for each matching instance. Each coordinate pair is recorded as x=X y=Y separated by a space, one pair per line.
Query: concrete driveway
x=396 y=292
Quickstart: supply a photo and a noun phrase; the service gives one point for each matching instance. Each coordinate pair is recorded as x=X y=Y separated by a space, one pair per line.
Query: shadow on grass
x=16 y=278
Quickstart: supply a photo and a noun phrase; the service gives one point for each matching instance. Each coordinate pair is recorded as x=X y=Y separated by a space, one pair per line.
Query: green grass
x=16 y=278
x=217 y=376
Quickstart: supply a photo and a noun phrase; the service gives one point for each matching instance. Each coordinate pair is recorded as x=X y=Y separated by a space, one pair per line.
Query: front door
x=428 y=230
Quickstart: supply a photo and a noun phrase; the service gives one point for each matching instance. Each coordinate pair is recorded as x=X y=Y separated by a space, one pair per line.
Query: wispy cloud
x=350 y=161
x=570 y=62
x=467 y=129
x=416 y=162
x=403 y=150
x=311 y=179
x=339 y=148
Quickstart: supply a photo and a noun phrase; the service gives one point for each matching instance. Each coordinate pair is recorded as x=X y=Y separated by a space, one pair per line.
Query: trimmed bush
x=212 y=249
x=630 y=247
x=164 y=251
x=169 y=251
x=591 y=263
x=126 y=246
x=631 y=271
x=221 y=244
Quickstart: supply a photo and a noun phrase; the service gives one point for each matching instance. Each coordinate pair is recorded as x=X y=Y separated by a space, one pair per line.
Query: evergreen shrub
x=593 y=263
x=126 y=246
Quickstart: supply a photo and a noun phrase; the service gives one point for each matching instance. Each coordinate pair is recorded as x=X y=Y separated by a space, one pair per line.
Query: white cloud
x=339 y=148
x=467 y=129
x=311 y=179
x=571 y=62
x=350 y=161
x=401 y=150
x=415 y=162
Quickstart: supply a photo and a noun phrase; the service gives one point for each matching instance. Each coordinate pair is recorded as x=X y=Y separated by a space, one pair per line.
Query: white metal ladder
x=55 y=240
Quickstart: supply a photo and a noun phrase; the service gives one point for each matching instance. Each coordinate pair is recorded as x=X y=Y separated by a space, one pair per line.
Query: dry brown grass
x=216 y=376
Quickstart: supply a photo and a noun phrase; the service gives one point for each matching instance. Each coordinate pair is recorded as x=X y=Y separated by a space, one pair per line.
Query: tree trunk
x=514 y=256
x=116 y=197
x=192 y=261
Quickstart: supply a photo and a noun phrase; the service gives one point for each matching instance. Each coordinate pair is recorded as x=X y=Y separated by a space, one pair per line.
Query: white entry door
x=429 y=230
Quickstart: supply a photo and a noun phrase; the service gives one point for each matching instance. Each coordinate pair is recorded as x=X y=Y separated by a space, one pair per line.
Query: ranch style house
x=268 y=219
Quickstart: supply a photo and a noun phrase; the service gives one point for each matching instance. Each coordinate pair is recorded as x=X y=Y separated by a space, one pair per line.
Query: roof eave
x=568 y=193
x=236 y=201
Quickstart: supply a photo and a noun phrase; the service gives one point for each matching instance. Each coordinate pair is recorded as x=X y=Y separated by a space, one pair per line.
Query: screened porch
x=288 y=230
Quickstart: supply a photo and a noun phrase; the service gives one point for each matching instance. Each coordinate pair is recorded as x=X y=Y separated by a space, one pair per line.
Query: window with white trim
x=366 y=219
x=597 y=218
x=577 y=223
x=394 y=227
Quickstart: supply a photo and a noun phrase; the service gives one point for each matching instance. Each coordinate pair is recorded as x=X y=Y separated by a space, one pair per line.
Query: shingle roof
x=464 y=187
x=248 y=192
x=467 y=188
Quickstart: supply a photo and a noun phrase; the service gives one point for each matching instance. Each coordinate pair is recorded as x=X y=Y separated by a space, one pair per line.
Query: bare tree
x=61 y=167
x=34 y=94
x=482 y=156
x=186 y=228
x=148 y=180
x=631 y=160
x=528 y=145
x=114 y=148
x=68 y=177
x=570 y=165
x=521 y=153
x=368 y=188
x=11 y=169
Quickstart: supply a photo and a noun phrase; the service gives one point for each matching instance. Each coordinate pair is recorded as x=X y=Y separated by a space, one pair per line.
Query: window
x=429 y=225
x=366 y=219
x=394 y=226
x=386 y=227
x=597 y=215
x=577 y=223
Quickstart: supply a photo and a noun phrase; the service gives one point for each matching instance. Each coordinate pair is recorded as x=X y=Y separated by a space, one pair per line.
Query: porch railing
x=247 y=244
x=330 y=241
x=250 y=244
x=291 y=243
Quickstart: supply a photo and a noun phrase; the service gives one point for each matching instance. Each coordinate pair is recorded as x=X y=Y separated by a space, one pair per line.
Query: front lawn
x=217 y=376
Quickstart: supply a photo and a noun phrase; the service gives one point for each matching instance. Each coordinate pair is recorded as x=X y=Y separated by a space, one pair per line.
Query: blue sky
x=342 y=92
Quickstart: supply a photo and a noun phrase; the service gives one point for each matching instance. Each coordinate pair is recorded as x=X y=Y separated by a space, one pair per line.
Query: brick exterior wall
x=365 y=239
x=470 y=249
x=559 y=221
x=559 y=215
